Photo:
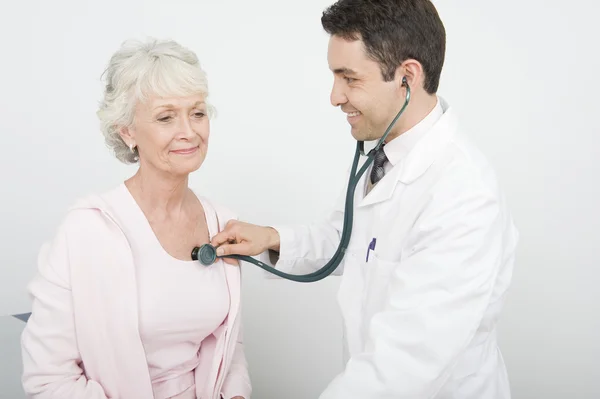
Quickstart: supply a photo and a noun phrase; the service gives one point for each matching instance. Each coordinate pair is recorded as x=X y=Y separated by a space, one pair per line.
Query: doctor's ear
x=411 y=72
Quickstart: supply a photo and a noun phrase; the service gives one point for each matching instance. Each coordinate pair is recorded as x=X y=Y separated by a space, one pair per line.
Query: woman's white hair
x=138 y=70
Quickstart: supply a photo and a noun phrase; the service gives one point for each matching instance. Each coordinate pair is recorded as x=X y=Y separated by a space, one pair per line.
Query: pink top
x=113 y=316
x=180 y=304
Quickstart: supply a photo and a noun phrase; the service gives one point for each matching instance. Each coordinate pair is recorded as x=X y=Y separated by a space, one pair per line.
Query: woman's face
x=171 y=134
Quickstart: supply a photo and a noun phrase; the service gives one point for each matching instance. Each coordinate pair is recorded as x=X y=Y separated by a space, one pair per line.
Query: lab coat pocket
x=350 y=296
x=378 y=273
x=352 y=286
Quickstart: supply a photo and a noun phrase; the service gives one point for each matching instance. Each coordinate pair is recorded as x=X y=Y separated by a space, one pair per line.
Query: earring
x=132 y=149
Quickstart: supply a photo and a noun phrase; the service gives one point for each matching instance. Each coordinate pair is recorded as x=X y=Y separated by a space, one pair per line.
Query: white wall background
x=522 y=73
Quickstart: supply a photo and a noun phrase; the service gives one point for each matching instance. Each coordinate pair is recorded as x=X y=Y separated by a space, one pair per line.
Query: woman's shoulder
x=85 y=229
x=89 y=213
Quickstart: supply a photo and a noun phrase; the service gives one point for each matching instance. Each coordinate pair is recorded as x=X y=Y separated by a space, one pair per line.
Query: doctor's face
x=359 y=90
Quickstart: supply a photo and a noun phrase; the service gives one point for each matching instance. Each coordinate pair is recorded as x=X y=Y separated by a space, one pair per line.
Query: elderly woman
x=119 y=308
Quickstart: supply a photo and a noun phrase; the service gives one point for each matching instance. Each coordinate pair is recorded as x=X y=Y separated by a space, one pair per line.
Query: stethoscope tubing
x=206 y=254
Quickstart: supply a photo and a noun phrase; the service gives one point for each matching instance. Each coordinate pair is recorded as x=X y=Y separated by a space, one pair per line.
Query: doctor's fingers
x=229 y=234
x=237 y=232
x=243 y=248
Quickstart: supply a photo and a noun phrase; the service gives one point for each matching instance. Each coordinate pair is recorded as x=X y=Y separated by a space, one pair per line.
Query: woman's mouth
x=185 y=151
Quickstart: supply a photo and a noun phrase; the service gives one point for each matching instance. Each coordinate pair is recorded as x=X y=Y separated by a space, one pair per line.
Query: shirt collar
x=399 y=147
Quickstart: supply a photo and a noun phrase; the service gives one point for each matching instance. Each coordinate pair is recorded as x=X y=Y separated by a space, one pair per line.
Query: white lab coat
x=420 y=315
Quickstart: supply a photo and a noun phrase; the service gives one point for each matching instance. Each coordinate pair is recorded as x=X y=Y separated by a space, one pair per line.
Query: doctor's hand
x=242 y=238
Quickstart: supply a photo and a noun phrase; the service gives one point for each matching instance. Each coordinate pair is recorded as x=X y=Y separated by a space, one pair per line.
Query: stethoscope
x=207 y=254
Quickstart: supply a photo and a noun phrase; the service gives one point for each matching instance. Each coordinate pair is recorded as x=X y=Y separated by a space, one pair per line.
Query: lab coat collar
x=413 y=156
x=397 y=149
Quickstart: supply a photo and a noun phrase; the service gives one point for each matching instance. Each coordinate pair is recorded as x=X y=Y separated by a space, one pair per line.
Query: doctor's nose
x=337 y=96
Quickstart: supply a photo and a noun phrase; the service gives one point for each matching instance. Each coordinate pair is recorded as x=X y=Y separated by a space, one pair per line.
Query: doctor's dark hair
x=392 y=31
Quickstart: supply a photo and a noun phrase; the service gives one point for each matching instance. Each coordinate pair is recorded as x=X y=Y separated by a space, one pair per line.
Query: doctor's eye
x=349 y=80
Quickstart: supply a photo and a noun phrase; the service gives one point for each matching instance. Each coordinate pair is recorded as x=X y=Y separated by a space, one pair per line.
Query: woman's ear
x=128 y=136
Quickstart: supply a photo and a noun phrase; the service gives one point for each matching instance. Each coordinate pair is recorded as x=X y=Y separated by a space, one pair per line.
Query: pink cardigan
x=82 y=339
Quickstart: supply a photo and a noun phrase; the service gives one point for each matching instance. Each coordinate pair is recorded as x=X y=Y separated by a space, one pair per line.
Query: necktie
x=378 y=165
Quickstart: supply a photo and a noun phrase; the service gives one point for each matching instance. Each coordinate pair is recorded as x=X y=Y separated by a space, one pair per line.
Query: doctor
x=433 y=244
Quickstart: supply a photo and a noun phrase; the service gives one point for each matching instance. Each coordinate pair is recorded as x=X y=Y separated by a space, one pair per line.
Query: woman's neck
x=158 y=194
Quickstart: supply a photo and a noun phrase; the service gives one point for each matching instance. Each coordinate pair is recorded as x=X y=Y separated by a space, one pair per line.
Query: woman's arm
x=51 y=360
x=237 y=382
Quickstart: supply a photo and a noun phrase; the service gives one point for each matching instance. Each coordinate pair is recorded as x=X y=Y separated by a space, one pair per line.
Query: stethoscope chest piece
x=206 y=254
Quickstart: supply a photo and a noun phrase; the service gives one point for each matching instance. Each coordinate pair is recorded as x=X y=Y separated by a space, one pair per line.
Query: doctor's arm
x=435 y=300
x=305 y=248
x=51 y=361
x=296 y=249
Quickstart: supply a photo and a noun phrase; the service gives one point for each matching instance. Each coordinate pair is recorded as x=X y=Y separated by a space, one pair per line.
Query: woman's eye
x=199 y=114
x=164 y=119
